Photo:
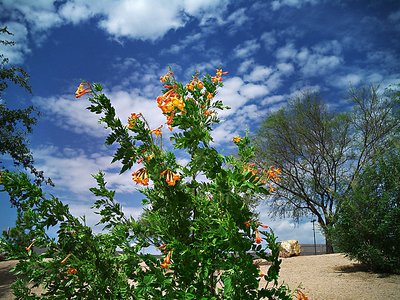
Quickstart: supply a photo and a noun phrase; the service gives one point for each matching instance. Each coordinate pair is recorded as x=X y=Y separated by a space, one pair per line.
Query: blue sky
x=272 y=50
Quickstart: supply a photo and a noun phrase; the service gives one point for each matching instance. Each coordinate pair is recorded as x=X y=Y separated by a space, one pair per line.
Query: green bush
x=205 y=229
x=368 y=227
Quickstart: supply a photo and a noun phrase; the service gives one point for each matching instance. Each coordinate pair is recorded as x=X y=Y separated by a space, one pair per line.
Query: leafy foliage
x=15 y=124
x=368 y=227
x=205 y=229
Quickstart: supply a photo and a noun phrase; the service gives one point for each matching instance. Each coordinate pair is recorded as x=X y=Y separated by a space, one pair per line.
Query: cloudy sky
x=272 y=50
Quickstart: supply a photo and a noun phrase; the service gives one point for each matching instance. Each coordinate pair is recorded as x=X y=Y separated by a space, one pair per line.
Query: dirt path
x=323 y=277
x=335 y=277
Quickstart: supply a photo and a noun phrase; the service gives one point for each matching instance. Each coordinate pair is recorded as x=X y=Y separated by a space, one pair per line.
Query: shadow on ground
x=6 y=279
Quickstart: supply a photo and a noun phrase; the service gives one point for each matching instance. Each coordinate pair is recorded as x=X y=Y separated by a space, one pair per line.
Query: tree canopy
x=15 y=124
x=321 y=152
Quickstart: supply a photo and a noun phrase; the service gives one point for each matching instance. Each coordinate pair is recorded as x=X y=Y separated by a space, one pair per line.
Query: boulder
x=289 y=248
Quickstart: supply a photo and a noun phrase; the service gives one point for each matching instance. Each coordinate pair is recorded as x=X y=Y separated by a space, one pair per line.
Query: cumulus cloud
x=140 y=19
x=17 y=52
x=246 y=49
x=84 y=210
x=136 y=19
x=238 y=18
x=71 y=169
x=72 y=114
x=277 y=4
x=245 y=65
x=121 y=18
x=286 y=52
x=269 y=40
x=313 y=61
x=259 y=73
x=345 y=81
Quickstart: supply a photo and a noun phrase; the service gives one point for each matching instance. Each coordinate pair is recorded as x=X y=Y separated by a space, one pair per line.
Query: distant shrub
x=368 y=226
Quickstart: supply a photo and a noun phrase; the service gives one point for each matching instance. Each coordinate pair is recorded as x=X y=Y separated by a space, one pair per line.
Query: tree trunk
x=329 y=246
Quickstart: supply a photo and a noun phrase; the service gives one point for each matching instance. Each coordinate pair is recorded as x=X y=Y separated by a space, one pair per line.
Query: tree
x=368 y=228
x=15 y=124
x=320 y=153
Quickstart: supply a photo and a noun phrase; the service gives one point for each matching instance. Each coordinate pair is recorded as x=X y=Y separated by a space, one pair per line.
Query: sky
x=273 y=50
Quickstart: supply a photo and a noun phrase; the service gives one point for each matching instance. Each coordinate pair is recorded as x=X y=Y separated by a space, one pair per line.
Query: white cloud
x=72 y=114
x=40 y=15
x=318 y=60
x=316 y=64
x=277 y=4
x=285 y=68
x=344 y=81
x=139 y=19
x=252 y=91
x=17 y=52
x=328 y=47
x=246 y=49
x=71 y=169
x=194 y=39
x=286 y=52
x=272 y=100
x=269 y=40
x=259 y=73
x=76 y=11
x=91 y=218
x=236 y=20
x=245 y=66
x=230 y=95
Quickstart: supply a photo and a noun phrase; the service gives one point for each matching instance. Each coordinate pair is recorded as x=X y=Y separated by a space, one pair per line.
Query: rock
x=289 y=248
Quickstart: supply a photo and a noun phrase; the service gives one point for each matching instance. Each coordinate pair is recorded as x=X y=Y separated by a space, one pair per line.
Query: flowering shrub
x=205 y=229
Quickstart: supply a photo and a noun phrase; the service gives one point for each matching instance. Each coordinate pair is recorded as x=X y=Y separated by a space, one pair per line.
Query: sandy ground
x=323 y=277
x=335 y=277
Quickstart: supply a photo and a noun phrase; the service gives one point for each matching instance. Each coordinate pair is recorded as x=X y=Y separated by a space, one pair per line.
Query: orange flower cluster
x=157 y=131
x=132 y=120
x=218 y=76
x=82 y=90
x=171 y=177
x=167 y=261
x=251 y=168
x=167 y=76
x=195 y=83
x=237 y=139
x=272 y=175
x=141 y=176
x=259 y=224
x=72 y=271
x=190 y=86
x=170 y=101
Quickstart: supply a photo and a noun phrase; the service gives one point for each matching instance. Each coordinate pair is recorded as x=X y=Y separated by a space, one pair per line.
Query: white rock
x=289 y=248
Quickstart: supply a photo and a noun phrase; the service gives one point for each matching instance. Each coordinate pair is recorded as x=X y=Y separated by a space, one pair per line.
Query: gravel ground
x=323 y=277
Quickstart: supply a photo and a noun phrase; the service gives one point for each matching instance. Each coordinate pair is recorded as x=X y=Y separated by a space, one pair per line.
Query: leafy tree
x=15 y=124
x=320 y=152
x=368 y=227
